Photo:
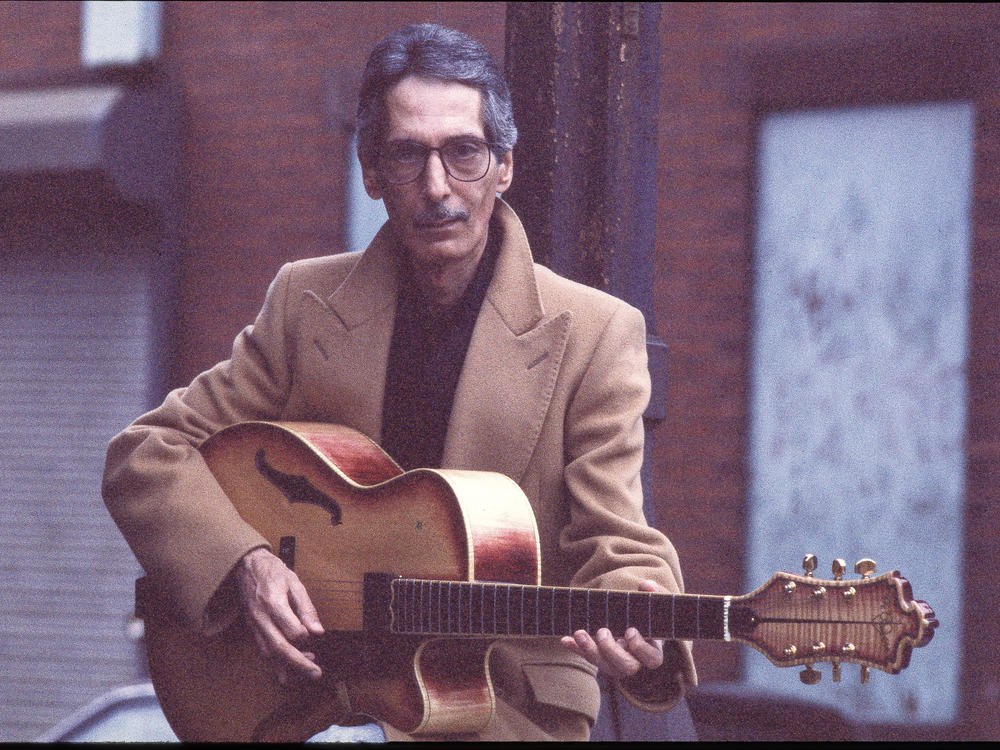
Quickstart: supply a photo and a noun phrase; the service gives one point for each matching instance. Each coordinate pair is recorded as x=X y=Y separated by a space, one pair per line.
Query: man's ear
x=505 y=173
x=369 y=175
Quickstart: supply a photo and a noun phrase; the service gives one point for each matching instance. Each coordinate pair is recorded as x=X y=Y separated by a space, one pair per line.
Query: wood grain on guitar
x=416 y=574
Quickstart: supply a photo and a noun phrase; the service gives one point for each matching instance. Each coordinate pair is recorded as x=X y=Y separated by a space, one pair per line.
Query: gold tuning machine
x=865 y=674
x=839 y=567
x=865 y=567
x=809 y=564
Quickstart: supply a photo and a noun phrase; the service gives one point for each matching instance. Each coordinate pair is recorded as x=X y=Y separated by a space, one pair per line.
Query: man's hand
x=622 y=657
x=279 y=613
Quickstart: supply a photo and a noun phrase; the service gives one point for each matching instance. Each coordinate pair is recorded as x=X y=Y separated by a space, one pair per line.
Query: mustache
x=438 y=213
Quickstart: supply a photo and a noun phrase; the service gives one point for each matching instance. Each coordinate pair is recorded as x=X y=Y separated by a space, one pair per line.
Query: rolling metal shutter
x=75 y=363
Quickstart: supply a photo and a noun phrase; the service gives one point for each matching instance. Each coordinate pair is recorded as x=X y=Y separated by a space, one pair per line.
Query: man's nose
x=435 y=178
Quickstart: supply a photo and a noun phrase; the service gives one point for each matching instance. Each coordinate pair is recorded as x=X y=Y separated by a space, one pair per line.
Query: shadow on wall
x=734 y=712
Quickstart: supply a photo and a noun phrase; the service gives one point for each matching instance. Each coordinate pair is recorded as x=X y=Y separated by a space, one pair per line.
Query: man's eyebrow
x=458 y=137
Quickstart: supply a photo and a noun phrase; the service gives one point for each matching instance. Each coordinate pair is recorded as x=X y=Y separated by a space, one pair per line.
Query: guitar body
x=335 y=507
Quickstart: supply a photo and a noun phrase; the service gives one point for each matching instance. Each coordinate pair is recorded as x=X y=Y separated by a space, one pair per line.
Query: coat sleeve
x=181 y=527
x=607 y=535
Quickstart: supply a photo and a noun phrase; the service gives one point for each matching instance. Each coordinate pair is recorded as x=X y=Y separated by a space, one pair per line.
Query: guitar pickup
x=376 y=613
x=286 y=551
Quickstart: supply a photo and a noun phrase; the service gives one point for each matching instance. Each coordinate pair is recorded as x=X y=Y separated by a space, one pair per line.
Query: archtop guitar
x=416 y=574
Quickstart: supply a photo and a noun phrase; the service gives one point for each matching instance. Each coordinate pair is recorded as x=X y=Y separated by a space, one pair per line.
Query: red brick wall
x=715 y=61
x=264 y=158
x=39 y=36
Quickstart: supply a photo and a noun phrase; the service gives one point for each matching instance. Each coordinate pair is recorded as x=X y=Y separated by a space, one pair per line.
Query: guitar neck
x=459 y=608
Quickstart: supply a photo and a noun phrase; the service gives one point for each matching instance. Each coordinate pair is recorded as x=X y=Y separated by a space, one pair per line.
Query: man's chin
x=424 y=249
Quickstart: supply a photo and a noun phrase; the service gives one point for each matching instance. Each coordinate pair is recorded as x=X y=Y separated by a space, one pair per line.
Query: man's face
x=440 y=221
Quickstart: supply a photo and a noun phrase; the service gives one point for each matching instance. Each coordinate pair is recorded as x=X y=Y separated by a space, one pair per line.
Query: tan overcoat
x=551 y=394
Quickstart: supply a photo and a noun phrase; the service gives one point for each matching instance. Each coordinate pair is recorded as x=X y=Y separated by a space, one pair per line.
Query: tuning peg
x=865 y=674
x=839 y=567
x=809 y=675
x=809 y=564
x=836 y=671
x=865 y=567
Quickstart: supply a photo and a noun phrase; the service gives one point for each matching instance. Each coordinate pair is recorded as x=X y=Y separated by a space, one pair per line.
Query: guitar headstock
x=801 y=620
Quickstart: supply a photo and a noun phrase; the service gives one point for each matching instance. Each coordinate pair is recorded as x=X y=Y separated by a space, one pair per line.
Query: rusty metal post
x=584 y=79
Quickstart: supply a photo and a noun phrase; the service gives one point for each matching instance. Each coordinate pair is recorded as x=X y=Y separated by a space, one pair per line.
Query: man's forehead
x=418 y=106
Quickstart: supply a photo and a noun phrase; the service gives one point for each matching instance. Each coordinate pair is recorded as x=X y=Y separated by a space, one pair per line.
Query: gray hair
x=433 y=51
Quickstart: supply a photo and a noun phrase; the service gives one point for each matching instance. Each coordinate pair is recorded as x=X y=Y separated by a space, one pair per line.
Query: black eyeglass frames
x=465 y=159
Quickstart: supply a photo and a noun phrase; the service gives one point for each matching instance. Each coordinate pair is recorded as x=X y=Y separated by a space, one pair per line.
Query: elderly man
x=444 y=343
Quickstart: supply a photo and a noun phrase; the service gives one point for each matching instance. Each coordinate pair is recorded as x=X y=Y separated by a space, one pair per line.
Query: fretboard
x=422 y=607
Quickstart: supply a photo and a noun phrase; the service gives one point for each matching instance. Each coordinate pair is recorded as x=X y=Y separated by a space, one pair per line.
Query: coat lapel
x=354 y=334
x=516 y=348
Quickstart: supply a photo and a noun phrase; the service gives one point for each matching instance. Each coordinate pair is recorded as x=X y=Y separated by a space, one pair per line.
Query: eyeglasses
x=465 y=159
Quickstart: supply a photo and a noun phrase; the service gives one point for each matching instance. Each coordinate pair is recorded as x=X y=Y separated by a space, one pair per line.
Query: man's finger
x=304 y=608
x=282 y=654
x=649 y=653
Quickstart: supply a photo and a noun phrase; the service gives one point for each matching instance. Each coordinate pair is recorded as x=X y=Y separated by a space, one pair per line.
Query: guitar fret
x=406 y=607
x=552 y=614
x=522 y=609
x=607 y=608
x=400 y=606
x=649 y=615
x=569 y=612
x=673 y=616
x=401 y=593
x=508 y=610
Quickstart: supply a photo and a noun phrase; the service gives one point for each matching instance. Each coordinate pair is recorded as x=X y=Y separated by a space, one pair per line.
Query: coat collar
x=373 y=283
x=516 y=348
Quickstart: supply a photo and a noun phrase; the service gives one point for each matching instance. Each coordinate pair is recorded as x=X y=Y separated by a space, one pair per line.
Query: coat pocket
x=564 y=686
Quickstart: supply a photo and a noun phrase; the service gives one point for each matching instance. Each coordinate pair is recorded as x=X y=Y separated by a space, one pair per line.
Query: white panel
x=122 y=33
x=364 y=215
x=858 y=373
x=54 y=129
